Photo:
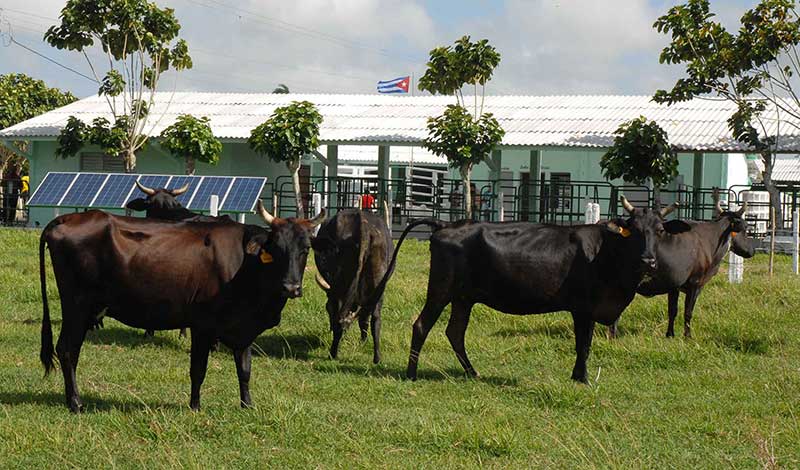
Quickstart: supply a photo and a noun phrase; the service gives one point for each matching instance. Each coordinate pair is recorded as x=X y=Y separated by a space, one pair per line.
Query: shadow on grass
x=286 y=346
x=558 y=330
x=381 y=370
x=91 y=403
x=133 y=338
x=746 y=344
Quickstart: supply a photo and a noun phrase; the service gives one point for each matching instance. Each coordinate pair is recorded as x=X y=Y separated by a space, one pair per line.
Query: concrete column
x=384 y=175
x=332 y=155
x=697 y=182
x=535 y=188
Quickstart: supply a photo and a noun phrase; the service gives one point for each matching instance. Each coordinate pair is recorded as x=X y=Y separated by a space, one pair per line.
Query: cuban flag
x=398 y=85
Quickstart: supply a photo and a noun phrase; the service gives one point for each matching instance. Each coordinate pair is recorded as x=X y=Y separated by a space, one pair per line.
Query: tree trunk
x=189 y=165
x=466 y=171
x=769 y=185
x=656 y=197
x=294 y=169
x=130 y=161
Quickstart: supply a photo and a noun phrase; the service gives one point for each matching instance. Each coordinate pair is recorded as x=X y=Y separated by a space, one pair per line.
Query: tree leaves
x=291 y=132
x=192 y=137
x=641 y=151
x=23 y=97
x=451 y=67
x=457 y=136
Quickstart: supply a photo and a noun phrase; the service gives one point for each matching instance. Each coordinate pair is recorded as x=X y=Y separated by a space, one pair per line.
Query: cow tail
x=363 y=245
x=47 y=353
x=433 y=223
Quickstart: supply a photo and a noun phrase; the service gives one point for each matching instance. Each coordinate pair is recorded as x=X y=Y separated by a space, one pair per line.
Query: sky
x=548 y=47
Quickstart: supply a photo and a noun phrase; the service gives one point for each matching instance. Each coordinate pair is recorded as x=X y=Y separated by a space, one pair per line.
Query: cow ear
x=137 y=204
x=590 y=243
x=254 y=245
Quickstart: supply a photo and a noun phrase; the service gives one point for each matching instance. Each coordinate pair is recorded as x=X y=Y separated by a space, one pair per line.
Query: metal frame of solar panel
x=237 y=194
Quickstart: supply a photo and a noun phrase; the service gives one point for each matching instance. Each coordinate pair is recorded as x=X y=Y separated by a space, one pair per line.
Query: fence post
x=735 y=262
x=795 y=241
x=316 y=207
x=214 y=209
x=501 y=209
x=241 y=217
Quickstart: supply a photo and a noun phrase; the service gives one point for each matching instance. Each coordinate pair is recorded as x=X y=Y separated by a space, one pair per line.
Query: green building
x=550 y=139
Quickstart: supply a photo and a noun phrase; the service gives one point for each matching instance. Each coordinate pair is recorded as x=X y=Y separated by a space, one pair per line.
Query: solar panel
x=151 y=181
x=178 y=181
x=83 y=190
x=218 y=185
x=115 y=191
x=243 y=194
x=52 y=189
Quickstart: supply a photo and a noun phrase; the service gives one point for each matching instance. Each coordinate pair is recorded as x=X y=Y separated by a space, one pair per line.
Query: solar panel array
x=115 y=190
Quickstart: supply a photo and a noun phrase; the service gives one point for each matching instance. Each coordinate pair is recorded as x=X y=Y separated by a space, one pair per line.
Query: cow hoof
x=580 y=378
x=473 y=374
x=333 y=353
x=670 y=334
x=246 y=405
x=76 y=408
x=195 y=406
x=376 y=359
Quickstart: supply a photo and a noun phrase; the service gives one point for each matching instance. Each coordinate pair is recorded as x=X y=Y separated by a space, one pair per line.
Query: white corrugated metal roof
x=787 y=169
x=530 y=121
x=404 y=154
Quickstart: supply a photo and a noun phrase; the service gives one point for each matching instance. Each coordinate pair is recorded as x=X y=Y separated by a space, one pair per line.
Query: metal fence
x=553 y=202
x=13 y=210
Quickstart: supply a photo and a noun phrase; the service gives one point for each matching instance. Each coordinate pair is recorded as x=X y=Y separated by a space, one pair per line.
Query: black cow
x=227 y=281
x=163 y=204
x=689 y=256
x=524 y=268
x=352 y=251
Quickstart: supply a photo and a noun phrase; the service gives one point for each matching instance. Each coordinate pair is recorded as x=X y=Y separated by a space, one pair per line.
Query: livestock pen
x=726 y=398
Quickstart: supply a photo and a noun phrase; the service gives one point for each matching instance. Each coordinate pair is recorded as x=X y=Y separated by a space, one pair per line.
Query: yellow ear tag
x=265 y=257
x=624 y=232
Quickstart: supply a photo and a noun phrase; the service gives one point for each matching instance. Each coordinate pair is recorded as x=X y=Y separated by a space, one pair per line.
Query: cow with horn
x=524 y=268
x=352 y=252
x=227 y=281
x=689 y=256
x=163 y=204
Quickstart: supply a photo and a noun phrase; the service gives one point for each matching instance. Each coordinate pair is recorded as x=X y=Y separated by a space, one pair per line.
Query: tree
x=191 y=138
x=291 y=132
x=756 y=69
x=21 y=98
x=281 y=89
x=140 y=41
x=464 y=139
x=641 y=152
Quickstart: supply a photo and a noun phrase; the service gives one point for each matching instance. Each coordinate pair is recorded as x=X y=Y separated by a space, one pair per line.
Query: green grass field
x=728 y=398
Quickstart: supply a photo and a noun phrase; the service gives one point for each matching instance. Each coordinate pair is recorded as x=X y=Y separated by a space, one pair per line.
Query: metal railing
x=13 y=210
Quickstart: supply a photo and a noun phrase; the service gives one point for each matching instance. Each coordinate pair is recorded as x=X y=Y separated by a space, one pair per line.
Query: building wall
x=236 y=160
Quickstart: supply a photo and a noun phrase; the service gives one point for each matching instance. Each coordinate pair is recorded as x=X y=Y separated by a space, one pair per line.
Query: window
x=101 y=163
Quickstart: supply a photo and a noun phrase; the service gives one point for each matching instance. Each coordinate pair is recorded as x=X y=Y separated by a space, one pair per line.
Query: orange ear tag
x=624 y=232
x=265 y=257
x=733 y=234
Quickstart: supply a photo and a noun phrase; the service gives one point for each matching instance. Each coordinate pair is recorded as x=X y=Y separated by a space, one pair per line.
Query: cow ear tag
x=624 y=232
x=265 y=257
x=733 y=234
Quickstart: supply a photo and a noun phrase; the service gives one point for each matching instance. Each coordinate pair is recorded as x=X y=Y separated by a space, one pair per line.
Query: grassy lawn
x=728 y=398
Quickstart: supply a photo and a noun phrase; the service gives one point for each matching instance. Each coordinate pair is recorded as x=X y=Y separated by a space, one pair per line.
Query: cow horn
x=627 y=205
x=742 y=209
x=181 y=190
x=667 y=210
x=145 y=189
x=318 y=219
x=387 y=215
x=268 y=218
x=715 y=197
x=322 y=283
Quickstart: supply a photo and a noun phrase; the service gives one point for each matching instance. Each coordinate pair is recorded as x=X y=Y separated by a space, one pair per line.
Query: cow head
x=285 y=248
x=737 y=228
x=644 y=228
x=157 y=200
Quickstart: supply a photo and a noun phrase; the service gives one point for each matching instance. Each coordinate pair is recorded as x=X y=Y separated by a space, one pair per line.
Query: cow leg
x=242 y=359
x=201 y=345
x=584 y=329
x=363 y=324
x=375 y=326
x=456 y=329
x=68 y=349
x=612 y=330
x=182 y=334
x=149 y=333
x=419 y=332
x=688 y=309
x=672 y=310
x=332 y=306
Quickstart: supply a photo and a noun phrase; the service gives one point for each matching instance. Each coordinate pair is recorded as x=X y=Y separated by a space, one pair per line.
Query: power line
x=297 y=29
